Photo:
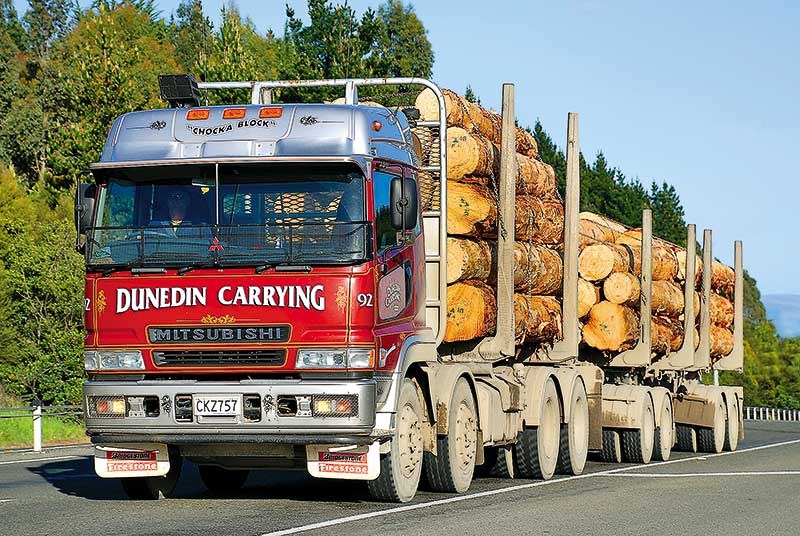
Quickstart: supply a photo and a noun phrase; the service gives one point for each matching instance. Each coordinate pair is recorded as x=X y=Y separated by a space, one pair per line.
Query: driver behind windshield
x=184 y=214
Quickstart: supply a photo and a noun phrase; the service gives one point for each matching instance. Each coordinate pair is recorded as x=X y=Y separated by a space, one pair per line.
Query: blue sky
x=701 y=94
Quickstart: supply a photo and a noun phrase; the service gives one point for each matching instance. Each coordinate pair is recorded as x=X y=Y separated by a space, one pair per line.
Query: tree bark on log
x=597 y=261
x=471 y=210
x=721 y=341
x=469 y=115
x=661 y=335
x=611 y=327
x=680 y=254
x=539 y=220
x=468 y=259
x=666 y=299
x=610 y=228
x=537 y=319
x=471 y=311
x=721 y=310
x=723 y=278
x=665 y=262
x=622 y=288
x=537 y=269
x=588 y=295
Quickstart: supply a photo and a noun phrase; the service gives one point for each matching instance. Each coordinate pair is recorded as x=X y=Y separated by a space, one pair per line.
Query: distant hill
x=784 y=311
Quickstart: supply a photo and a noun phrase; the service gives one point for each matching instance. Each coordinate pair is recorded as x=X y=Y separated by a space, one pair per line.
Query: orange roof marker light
x=270 y=113
x=234 y=113
x=198 y=114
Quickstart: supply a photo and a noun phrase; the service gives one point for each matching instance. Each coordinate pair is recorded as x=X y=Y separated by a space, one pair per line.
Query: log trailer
x=264 y=289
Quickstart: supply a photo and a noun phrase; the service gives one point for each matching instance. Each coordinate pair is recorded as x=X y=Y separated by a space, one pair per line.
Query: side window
x=119 y=205
x=385 y=234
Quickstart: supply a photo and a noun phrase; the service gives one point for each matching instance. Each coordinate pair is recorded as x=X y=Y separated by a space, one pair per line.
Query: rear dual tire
x=536 y=450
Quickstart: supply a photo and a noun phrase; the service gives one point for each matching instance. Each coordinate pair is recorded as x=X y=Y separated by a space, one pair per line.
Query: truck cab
x=253 y=273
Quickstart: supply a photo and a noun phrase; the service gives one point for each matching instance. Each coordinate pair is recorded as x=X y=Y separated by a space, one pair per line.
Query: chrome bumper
x=272 y=428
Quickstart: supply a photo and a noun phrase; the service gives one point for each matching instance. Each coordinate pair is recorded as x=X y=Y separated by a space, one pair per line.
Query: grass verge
x=18 y=432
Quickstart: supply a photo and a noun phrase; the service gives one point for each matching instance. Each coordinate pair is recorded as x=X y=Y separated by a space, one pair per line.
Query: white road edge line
x=681 y=475
x=31 y=460
x=6 y=500
x=489 y=493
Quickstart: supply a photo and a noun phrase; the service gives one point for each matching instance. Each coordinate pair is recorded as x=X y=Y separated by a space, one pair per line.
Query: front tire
x=452 y=468
x=151 y=488
x=401 y=467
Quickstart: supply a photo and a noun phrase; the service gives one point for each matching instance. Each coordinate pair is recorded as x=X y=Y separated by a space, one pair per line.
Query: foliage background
x=66 y=72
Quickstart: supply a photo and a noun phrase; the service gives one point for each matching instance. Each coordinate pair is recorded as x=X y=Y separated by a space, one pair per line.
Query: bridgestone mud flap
x=574 y=444
x=713 y=439
x=155 y=487
x=637 y=445
x=401 y=467
x=537 y=447
x=452 y=468
x=349 y=462
x=664 y=434
x=131 y=460
x=732 y=436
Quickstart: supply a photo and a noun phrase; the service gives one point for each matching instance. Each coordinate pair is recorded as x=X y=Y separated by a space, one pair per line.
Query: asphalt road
x=753 y=491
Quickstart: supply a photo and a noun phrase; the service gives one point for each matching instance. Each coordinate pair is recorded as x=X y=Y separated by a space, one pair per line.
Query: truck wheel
x=497 y=463
x=732 y=437
x=221 y=480
x=713 y=439
x=401 y=467
x=451 y=469
x=665 y=437
x=637 y=445
x=151 y=488
x=612 y=446
x=574 y=447
x=537 y=447
x=686 y=437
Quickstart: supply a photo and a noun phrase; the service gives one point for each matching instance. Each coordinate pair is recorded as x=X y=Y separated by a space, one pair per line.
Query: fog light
x=107 y=406
x=335 y=405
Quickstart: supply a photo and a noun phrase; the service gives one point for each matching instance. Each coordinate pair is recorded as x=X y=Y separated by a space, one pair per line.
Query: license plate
x=217 y=406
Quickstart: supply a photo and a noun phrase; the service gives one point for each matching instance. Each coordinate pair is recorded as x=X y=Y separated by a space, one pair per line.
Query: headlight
x=334 y=358
x=113 y=360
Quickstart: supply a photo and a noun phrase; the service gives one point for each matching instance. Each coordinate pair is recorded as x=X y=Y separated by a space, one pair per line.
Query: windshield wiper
x=183 y=270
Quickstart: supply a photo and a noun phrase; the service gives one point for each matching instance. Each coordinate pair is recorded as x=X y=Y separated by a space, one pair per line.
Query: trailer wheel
x=537 y=447
x=665 y=434
x=637 y=445
x=574 y=444
x=151 y=488
x=612 y=446
x=732 y=437
x=453 y=466
x=713 y=439
x=221 y=480
x=686 y=438
x=401 y=467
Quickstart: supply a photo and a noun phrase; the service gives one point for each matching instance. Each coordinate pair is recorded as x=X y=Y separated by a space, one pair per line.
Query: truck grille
x=219 y=358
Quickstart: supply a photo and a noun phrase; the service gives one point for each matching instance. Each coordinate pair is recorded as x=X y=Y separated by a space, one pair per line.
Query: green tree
x=193 y=35
x=668 y=216
x=401 y=46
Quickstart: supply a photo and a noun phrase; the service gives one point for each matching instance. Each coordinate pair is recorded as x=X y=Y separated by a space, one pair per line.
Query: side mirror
x=404 y=203
x=84 y=206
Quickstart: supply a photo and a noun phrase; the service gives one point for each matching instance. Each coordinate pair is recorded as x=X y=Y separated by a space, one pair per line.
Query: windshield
x=229 y=214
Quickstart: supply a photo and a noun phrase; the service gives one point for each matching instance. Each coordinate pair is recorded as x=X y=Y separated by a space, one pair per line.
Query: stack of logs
x=473 y=160
x=609 y=291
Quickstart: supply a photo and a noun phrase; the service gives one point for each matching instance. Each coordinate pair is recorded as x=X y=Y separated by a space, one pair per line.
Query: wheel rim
x=719 y=426
x=579 y=422
x=666 y=431
x=409 y=442
x=733 y=427
x=466 y=430
x=648 y=431
x=550 y=429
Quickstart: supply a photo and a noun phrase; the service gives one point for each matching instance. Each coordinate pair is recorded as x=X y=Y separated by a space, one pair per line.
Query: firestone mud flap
x=131 y=460
x=347 y=462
